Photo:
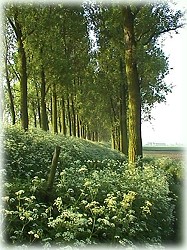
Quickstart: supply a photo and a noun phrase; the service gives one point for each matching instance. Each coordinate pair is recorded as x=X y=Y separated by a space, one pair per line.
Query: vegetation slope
x=97 y=197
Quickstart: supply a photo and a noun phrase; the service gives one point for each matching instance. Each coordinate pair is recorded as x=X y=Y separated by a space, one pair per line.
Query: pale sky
x=170 y=118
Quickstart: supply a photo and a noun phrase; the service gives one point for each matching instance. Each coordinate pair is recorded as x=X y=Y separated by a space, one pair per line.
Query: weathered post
x=51 y=176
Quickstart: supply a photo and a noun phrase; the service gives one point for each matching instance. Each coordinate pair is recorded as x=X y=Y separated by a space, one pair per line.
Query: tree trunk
x=114 y=121
x=11 y=98
x=54 y=111
x=96 y=136
x=118 y=138
x=51 y=177
x=123 y=112
x=63 y=116
x=112 y=138
x=78 y=126
x=69 y=116
x=83 y=128
x=23 y=73
x=38 y=105
x=51 y=110
x=88 y=133
x=134 y=97
x=60 y=124
x=115 y=138
x=34 y=114
x=93 y=136
x=44 y=119
x=80 y=129
x=74 y=116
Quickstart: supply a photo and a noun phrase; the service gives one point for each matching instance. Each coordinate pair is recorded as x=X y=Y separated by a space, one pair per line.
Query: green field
x=164 y=151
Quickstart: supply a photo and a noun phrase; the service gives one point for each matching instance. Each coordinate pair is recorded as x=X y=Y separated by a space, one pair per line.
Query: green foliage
x=59 y=41
x=98 y=197
x=32 y=151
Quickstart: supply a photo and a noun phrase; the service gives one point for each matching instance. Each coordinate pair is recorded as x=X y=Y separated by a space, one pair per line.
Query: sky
x=169 y=121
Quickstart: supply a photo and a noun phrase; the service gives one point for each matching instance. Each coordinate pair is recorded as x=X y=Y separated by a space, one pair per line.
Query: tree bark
x=51 y=177
x=44 y=119
x=60 y=124
x=112 y=138
x=134 y=97
x=22 y=70
x=74 y=116
x=69 y=116
x=114 y=122
x=88 y=133
x=78 y=125
x=83 y=131
x=80 y=129
x=63 y=116
x=11 y=98
x=93 y=136
x=23 y=87
x=34 y=113
x=96 y=136
x=38 y=105
x=54 y=111
x=123 y=112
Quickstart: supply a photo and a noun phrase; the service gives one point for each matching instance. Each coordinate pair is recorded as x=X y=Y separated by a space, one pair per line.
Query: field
x=165 y=151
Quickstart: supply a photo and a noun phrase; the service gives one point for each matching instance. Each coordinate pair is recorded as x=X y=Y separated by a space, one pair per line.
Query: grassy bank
x=96 y=198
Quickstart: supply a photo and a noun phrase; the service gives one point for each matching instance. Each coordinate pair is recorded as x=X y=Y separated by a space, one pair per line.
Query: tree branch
x=144 y=33
x=13 y=26
x=156 y=34
x=138 y=8
x=16 y=74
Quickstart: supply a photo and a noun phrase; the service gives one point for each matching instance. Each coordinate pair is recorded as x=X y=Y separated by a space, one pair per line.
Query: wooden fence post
x=51 y=176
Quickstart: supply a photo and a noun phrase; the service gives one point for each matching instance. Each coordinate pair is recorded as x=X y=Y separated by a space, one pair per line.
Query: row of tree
x=92 y=71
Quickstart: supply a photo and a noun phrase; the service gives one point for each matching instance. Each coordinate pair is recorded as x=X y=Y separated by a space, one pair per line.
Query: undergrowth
x=97 y=197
